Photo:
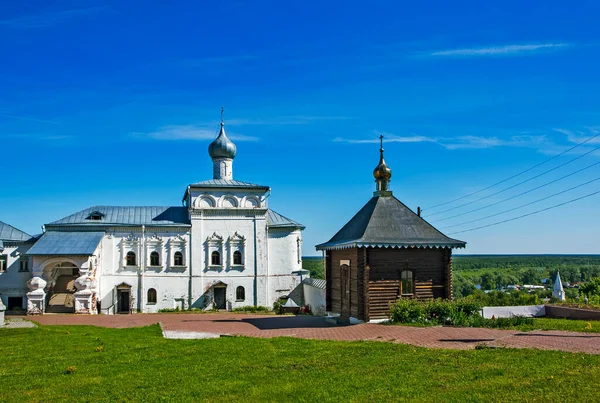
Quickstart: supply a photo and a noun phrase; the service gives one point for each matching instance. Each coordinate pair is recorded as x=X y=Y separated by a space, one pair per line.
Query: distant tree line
x=491 y=272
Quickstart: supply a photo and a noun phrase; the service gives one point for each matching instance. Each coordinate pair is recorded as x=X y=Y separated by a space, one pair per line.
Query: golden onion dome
x=382 y=171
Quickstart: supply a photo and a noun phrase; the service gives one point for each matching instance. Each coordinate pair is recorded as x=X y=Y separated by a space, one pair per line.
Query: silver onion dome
x=222 y=147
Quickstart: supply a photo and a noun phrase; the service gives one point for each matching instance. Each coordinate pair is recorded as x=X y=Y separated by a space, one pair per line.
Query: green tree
x=531 y=276
x=592 y=287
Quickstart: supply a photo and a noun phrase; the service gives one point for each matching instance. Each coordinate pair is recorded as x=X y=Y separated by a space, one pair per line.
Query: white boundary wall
x=510 y=311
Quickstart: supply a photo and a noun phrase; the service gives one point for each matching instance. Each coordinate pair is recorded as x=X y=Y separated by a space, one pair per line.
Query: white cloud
x=463 y=142
x=504 y=50
x=454 y=143
x=577 y=137
x=283 y=120
x=189 y=132
x=388 y=138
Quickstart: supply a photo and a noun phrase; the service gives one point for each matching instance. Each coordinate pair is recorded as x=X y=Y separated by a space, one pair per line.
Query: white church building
x=224 y=248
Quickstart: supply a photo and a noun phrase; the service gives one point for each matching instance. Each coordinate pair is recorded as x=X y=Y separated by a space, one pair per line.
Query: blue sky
x=116 y=102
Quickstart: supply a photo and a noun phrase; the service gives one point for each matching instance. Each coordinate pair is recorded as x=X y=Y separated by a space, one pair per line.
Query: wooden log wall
x=375 y=277
x=334 y=280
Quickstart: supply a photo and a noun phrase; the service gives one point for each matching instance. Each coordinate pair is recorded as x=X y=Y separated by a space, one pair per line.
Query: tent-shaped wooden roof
x=386 y=222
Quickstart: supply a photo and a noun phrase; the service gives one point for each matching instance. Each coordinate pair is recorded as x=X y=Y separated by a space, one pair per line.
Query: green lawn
x=139 y=365
x=570 y=325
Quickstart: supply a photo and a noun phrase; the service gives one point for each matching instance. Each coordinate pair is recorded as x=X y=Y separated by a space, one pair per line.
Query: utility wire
x=518 y=184
x=520 y=194
x=514 y=176
x=526 y=204
x=528 y=214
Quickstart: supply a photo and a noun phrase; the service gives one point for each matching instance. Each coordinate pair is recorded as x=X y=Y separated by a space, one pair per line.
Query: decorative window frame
x=148 y=302
x=3 y=263
x=130 y=243
x=251 y=202
x=237 y=242
x=412 y=280
x=154 y=243
x=177 y=244
x=23 y=264
x=299 y=249
x=234 y=201
x=237 y=289
x=207 y=198
x=214 y=243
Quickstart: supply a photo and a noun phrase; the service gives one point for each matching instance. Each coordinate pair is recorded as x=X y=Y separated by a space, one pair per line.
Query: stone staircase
x=62 y=300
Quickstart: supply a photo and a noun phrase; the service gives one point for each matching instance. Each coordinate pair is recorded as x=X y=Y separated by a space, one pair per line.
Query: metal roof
x=315 y=282
x=386 y=222
x=150 y=216
x=66 y=243
x=227 y=183
x=128 y=215
x=10 y=233
x=276 y=220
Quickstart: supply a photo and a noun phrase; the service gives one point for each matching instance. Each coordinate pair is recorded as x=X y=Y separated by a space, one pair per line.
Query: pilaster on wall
x=449 y=273
x=328 y=278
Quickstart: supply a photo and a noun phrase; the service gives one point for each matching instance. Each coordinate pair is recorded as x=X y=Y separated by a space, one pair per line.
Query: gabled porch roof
x=60 y=243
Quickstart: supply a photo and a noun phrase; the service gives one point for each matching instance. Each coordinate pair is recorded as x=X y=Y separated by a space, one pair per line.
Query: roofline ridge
x=15 y=228
x=424 y=220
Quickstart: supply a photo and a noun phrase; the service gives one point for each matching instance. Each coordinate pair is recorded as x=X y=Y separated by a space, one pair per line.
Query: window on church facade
x=240 y=293
x=154 y=259
x=406 y=278
x=151 y=296
x=130 y=259
x=178 y=259
x=215 y=258
x=3 y=263
x=24 y=265
x=237 y=257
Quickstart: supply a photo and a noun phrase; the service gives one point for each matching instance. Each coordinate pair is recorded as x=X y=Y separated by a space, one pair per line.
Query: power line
x=518 y=184
x=520 y=194
x=526 y=204
x=514 y=176
x=528 y=214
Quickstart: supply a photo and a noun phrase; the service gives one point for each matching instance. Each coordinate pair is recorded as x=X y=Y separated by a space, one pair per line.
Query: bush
x=408 y=311
x=167 y=310
x=508 y=322
x=439 y=311
x=468 y=306
x=251 y=308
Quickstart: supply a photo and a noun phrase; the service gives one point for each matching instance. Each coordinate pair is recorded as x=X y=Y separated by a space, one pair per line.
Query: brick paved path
x=316 y=328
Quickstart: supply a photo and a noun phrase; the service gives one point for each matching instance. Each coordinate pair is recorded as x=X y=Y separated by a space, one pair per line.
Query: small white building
x=14 y=266
x=558 y=290
x=224 y=248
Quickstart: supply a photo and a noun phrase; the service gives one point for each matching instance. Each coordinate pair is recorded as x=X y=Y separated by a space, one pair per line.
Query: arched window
x=178 y=259
x=406 y=278
x=151 y=296
x=154 y=259
x=131 y=259
x=215 y=258
x=237 y=257
x=240 y=293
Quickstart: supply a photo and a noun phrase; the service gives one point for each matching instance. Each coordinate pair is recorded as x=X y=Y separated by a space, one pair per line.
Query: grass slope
x=139 y=365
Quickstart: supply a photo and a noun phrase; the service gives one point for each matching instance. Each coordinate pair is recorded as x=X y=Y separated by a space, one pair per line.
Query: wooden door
x=345 y=288
x=123 y=301
x=220 y=298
